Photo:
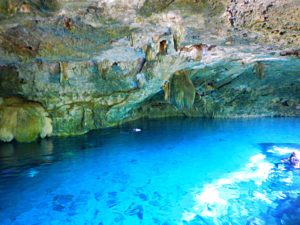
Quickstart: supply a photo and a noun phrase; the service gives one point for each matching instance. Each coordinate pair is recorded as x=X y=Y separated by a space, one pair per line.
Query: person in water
x=293 y=160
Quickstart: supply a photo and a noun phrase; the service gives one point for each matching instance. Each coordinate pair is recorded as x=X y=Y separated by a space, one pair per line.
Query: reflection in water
x=6 y=150
x=15 y=156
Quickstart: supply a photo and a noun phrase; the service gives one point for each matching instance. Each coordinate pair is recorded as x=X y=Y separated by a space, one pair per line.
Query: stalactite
x=63 y=72
x=259 y=70
x=182 y=91
x=166 y=89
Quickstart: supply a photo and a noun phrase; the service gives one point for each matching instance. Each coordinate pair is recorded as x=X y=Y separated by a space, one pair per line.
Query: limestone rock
x=182 y=91
x=98 y=63
x=25 y=121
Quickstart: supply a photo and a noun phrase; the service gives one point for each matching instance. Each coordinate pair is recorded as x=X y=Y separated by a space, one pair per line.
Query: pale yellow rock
x=23 y=120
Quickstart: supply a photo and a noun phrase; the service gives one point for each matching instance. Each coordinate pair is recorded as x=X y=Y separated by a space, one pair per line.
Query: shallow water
x=176 y=171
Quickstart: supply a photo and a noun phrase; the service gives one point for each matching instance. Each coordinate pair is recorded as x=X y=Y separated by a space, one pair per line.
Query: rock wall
x=272 y=20
x=267 y=91
x=94 y=64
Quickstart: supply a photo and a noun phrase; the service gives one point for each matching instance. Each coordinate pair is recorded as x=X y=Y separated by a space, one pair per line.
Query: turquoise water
x=177 y=171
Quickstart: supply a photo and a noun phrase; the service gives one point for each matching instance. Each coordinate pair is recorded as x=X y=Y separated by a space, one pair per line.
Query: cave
x=149 y=112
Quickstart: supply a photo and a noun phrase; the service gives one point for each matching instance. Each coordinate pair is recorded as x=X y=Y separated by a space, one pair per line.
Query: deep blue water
x=176 y=171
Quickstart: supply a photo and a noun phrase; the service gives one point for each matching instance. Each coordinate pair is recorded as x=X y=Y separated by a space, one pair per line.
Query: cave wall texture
x=70 y=66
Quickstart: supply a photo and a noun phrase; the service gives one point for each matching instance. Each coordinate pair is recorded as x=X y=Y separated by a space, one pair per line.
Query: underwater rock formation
x=22 y=120
x=98 y=63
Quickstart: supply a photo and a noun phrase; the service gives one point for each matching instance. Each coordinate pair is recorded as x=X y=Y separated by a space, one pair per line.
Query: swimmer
x=136 y=130
x=293 y=160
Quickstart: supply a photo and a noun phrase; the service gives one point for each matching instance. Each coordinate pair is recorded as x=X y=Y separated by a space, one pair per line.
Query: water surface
x=176 y=171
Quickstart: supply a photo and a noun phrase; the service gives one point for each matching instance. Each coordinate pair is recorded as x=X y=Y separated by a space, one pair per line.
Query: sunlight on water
x=283 y=150
x=215 y=198
x=181 y=172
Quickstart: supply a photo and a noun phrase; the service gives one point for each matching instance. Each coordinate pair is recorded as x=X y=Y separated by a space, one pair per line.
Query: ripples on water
x=177 y=171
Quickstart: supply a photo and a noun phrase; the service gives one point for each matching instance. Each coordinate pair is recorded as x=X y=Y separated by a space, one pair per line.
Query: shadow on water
x=15 y=157
x=44 y=151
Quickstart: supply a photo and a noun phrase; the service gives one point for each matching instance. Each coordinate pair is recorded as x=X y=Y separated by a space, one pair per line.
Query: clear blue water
x=176 y=171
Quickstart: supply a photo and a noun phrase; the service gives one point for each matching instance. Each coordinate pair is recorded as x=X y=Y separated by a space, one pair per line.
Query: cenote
x=172 y=171
x=149 y=112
